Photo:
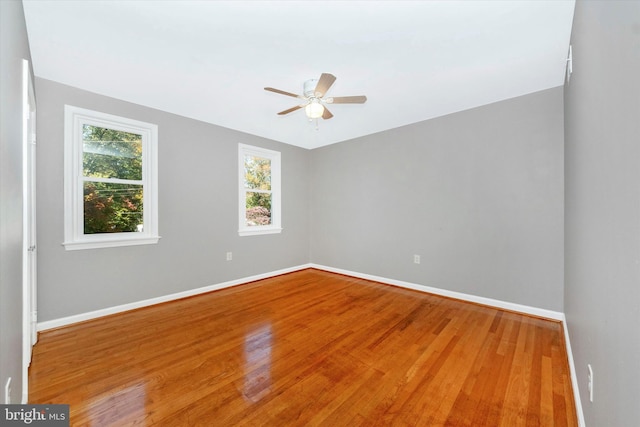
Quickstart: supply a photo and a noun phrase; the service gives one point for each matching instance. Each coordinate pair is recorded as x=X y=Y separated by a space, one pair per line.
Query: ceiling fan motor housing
x=310 y=88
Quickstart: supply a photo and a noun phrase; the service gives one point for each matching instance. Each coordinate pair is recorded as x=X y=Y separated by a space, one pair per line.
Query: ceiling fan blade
x=290 y=110
x=325 y=82
x=326 y=114
x=346 y=100
x=282 y=92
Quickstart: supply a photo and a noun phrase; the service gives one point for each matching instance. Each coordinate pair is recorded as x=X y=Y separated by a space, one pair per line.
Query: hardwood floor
x=309 y=348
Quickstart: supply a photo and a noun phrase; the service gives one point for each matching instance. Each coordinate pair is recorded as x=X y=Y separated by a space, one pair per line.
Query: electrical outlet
x=416 y=259
x=590 y=383
x=229 y=256
x=7 y=392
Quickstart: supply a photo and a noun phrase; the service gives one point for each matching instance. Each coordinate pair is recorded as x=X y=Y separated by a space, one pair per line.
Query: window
x=259 y=182
x=110 y=180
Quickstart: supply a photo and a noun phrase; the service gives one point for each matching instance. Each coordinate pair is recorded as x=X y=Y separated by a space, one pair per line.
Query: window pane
x=109 y=153
x=258 y=209
x=257 y=173
x=112 y=208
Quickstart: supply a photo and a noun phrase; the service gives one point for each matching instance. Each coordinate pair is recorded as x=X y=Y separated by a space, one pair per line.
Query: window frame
x=276 y=193
x=74 y=236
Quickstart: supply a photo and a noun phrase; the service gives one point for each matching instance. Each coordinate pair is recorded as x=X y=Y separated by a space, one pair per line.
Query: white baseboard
x=574 y=375
x=541 y=312
x=64 y=321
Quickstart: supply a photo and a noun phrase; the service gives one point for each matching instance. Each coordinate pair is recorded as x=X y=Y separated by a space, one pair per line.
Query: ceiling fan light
x=314 y=109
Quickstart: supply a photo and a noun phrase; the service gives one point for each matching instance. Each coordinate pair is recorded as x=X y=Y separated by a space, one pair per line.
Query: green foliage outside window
x=109 y=157
x=258 y=202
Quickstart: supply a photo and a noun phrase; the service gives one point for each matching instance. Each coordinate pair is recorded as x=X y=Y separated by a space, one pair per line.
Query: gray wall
x=477 y=194
x=13 y=49
x=602 y=227
x=197 y=213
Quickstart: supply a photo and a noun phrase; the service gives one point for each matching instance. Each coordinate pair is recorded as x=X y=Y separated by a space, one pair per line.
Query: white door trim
x=29 y=271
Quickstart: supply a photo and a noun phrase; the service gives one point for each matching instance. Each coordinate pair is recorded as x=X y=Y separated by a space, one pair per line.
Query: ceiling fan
x=314 y=101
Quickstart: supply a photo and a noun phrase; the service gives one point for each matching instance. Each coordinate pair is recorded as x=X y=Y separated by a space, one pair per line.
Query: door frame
x=29 y=258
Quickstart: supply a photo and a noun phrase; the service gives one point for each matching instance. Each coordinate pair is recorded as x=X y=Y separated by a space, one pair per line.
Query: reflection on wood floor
x=309 y=348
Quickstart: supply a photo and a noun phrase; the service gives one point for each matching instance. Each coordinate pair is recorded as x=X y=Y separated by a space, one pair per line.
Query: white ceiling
x=210 y=60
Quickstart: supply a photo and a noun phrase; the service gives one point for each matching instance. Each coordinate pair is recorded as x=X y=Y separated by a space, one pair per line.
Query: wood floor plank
x=309 y=348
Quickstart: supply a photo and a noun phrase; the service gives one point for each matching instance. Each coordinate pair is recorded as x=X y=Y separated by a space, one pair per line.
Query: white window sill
x=109 y=243
x=259 y=231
